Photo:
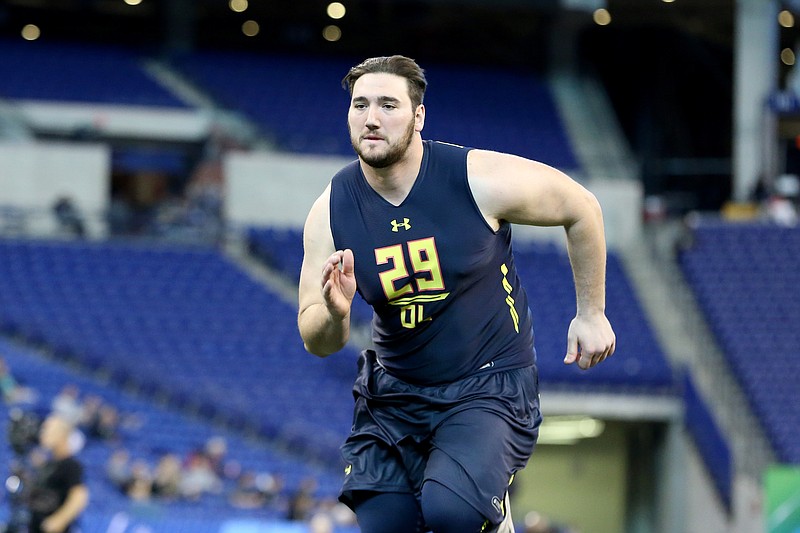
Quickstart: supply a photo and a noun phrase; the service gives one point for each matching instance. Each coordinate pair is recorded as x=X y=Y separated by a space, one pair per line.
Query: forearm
x=587 y=253
x=76 y=502
x=322 y=333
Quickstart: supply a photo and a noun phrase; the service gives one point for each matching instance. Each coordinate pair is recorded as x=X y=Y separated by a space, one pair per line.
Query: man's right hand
x=339 y=283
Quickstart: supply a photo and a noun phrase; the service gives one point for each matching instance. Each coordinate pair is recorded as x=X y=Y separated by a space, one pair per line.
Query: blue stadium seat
x=157 y=432
x=183 y=323
x=638 y=363
x=78 y=73
x=746 y=280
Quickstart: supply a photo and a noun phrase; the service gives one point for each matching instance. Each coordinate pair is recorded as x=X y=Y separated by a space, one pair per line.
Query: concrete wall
x=33 y=175
x=269 y=189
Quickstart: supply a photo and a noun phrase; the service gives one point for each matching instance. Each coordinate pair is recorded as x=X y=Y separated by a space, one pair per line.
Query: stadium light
x=787 y=56
x=601 y=17
x=336 y=10
x=250 y=28
x=238 y=6
x=31 y=32
x=786 y=18
x=332 y=33
x=569 y=429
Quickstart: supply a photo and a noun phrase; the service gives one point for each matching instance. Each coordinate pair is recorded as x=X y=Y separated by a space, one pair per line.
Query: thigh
x=387 y=512
x=475 y=454
x=445 y=511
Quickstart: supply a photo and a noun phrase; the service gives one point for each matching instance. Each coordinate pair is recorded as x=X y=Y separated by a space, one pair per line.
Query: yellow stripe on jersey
x=509 y=300
x=420 y=298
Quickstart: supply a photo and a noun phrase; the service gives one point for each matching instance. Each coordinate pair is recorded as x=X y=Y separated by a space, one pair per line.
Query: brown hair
x=399 y=65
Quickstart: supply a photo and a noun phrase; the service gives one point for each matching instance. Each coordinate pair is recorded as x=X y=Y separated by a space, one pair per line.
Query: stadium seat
x=746 y=278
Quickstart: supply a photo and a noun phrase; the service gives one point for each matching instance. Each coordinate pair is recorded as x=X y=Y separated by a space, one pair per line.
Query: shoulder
x=516 y=189
x=347 y=172
x=487 y=164
x=447 y=152
x=72 y=470
x=494 y=179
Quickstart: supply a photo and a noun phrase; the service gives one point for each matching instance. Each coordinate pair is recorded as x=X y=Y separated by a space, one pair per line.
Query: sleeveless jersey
x=446 y=297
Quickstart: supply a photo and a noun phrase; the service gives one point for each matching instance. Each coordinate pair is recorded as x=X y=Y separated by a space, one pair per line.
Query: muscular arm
x=76 y=502
x=326 y=290
x=517 y=190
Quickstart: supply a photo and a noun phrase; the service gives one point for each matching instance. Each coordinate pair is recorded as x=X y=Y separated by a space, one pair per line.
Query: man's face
x=52 y=432
x=382 y=120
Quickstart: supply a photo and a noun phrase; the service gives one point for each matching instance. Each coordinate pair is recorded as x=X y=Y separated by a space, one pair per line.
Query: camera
x=23 y=431
x=23 y=436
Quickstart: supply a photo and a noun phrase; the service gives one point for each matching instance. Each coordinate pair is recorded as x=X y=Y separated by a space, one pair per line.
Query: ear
x=419 y=118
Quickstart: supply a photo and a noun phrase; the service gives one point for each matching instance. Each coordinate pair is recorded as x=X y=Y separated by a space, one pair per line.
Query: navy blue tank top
x=446 y=297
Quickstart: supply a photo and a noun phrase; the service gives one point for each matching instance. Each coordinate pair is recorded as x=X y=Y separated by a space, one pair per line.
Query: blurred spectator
x=270 y=485
x=12 y=391
x=199 y=477
x=106 y=423
x=90 y=412
x=216 y=450
x=118 y=469
x=58 y=495
x=140 y=483
x=320 y=523
x=538 y=523
x=246 y=494
x=167 y=477
x=68 y=217
x=66 y=404
x=782 y=204
x=339 y=513
x=303 y=502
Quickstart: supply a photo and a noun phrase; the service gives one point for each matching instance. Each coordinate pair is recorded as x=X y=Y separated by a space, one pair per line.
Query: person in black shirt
x=58 y=495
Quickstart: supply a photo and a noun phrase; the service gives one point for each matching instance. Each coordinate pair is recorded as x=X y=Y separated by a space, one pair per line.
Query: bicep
x=514 y=189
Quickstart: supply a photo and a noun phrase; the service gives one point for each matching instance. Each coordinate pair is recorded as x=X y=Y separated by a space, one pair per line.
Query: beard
x=393 y=153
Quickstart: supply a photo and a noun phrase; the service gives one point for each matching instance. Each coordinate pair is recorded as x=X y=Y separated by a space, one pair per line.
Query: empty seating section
x=546 y=275
x=78 y=73
x=746 y=279
x=497 y=110
x=280 y=248
x=639 y=364
x=301 y=104
x=183 y=323
x=156 y=431
x=297 y=102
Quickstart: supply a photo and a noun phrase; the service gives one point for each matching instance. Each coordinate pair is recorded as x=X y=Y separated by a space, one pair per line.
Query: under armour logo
x=498 y=504
x=405 y=224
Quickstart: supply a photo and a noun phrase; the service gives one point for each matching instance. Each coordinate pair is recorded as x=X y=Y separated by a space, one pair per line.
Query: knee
x=446 y=512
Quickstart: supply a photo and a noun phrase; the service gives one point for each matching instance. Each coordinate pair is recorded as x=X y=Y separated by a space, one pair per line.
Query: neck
x=61 y=452
x=394 y=182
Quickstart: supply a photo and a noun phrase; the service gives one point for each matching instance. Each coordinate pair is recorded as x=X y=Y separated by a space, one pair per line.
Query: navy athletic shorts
x=471 y=435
